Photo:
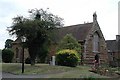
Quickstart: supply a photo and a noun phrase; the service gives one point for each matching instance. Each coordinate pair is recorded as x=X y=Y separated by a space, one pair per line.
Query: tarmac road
x=9 y=76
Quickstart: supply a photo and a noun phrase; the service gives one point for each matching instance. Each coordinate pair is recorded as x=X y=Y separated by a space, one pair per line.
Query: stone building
x=18 y=50
x=114 y=51
x=89 y=35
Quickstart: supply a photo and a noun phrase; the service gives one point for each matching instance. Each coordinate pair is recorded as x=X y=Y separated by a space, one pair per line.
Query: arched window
x=96 y=42
x=17 y=53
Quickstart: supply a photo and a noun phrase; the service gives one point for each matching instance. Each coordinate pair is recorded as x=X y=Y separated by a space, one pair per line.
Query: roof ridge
x=79 y=24
x=76 y=25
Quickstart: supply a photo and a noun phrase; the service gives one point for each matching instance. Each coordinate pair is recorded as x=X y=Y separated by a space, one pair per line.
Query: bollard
x=53 y=60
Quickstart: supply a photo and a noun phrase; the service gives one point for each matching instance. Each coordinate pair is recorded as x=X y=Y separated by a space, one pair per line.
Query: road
x=9 y=76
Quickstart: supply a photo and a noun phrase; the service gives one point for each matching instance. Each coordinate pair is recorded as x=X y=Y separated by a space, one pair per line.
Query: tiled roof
x=113 y=45
x=17 y=41
x=79 y=31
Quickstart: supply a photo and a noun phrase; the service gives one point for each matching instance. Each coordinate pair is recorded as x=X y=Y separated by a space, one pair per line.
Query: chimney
x=117 y=38
x=94 y=17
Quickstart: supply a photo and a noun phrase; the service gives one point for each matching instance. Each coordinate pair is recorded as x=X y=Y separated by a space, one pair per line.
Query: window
x=96 y=43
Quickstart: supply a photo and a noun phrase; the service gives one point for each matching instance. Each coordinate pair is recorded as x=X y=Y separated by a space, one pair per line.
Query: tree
x=37 y=29
x=0 y=55
x=7 y=55
x=44 y=50
x=69 y=42
x=8 y=43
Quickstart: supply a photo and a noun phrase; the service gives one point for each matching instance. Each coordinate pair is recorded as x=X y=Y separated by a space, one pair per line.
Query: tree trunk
x=32 y=62
x=32 y=53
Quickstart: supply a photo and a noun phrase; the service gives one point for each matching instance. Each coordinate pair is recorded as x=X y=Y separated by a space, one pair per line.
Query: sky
x=72 y=11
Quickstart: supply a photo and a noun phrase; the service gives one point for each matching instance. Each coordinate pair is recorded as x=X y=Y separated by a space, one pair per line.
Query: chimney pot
x=117 y=38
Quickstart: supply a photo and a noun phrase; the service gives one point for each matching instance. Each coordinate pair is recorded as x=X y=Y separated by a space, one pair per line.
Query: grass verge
x=51 y=71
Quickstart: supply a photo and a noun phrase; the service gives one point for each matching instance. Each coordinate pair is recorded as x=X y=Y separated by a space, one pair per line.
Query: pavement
x=10 y=76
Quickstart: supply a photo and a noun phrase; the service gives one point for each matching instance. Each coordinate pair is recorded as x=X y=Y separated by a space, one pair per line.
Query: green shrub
x=28 y=61
x=69 y=42
x=67 y=57
x=7 y=55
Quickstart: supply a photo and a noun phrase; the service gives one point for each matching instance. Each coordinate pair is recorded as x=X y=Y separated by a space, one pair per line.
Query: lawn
x=52 y=71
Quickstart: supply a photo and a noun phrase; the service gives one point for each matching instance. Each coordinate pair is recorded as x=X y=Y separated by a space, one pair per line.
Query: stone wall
x=19 y=52
x=89 y=55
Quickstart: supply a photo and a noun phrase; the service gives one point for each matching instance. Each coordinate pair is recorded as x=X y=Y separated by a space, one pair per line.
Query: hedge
x=7 y=55
x=67 y=57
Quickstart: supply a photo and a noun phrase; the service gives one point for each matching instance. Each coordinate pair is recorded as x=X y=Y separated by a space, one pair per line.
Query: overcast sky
x=73 y=12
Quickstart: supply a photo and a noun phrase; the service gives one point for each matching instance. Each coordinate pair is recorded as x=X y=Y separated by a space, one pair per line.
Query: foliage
x=67 y=57
x=27 y=61
x=7 y=55
x=0 y=55
x=69 y=42
x=105 y=70
x=44 y=50
x=37 y=30
x=8 y=43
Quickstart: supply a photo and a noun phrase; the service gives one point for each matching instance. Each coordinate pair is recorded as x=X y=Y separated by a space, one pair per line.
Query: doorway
x=97 y=58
